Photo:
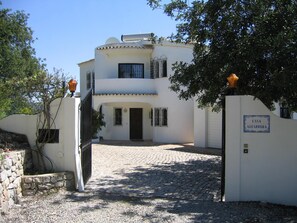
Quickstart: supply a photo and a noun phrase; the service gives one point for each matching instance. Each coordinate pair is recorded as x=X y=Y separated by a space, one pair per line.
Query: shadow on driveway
x=184 y=189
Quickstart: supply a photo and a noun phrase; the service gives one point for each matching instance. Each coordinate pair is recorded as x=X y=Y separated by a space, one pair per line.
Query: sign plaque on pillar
x=256 y=123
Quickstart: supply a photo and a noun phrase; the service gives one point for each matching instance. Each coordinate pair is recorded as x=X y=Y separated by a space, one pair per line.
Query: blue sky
x=68 y=31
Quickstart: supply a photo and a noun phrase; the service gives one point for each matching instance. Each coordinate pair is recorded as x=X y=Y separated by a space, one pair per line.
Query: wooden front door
x=135 y=123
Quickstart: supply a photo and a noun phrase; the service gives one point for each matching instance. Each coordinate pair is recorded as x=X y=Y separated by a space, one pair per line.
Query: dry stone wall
x=16 y=161
x=44 y=184
x=12 y=167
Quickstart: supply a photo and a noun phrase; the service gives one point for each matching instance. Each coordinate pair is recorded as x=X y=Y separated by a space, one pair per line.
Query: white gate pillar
x=233 y=151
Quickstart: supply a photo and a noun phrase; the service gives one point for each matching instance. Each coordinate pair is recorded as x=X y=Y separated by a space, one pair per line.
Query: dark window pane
x=157 y=116
x=93 y=82
x=131 y=71
x=118 y=116
x=164 y=116
x=152 y=69
x=151 y=117
x=88 y=80
x=48 y=136
x=164 y=68
x=156 y=69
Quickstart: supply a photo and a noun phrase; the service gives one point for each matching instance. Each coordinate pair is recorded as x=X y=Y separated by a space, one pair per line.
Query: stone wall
x=14 y=184
x=13 y=164
x=44 y=184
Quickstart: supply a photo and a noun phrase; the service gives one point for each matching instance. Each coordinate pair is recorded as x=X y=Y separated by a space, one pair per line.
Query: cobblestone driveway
x=157 y=171
x=145 y=182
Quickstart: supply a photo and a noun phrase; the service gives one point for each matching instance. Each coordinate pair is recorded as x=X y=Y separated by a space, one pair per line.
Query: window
x=88 y=80
x=48 y=136
x=131 y=70
x=117 y=116
x=152 y=69
x=158 y=68
x=164 y=116
x=93 y=82
x=157 y=116
x=151 y=117
x=161 y=116
x=164 y=68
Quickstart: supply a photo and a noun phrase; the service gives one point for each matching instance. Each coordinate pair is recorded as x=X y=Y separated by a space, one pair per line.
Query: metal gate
x=86 y=136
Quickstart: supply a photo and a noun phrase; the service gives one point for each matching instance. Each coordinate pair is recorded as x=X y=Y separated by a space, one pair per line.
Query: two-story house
x=130 y=84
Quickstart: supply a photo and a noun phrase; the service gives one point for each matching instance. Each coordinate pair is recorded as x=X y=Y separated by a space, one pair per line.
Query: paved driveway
x=145 y=182
x=147 y=170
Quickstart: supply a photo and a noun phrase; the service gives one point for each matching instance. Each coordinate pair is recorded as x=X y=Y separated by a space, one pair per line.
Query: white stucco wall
x=107 y=61
x=180 y=115
x=149 y=93
x=214 y=129
x=64 y=155
x=173 y=52
x=21 y=124
x=122 y=132
x=207 y=128
x=85 y=67
x=125 y=85
x=200 y=127
x=268 y=171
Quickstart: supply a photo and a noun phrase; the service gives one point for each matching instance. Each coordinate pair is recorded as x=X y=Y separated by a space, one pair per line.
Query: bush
x=97 y=122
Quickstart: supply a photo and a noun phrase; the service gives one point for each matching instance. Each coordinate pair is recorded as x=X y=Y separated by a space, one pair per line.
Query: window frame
x=131 y=75
x=88 y=80
x=158 y=68
x=118 y=121
x=156 y=116
x=164 y=117
x=161 y=117
x=164 y=68
x=48 y=135
x=151 y=116
x=93 y=82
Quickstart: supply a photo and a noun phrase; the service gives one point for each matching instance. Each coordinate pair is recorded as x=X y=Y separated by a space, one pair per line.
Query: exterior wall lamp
x=232 y=81
x=72 y=86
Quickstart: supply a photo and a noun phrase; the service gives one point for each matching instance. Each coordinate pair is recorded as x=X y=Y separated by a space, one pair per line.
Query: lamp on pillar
x=232 y=81
x=72 y=86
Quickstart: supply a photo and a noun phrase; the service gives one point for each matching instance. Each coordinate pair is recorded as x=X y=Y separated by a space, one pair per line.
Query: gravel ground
x=145 y=182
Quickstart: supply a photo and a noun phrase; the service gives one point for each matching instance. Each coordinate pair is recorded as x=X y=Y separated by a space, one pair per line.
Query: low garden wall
x=13 y=164
x=14 y=184
x=45 y=184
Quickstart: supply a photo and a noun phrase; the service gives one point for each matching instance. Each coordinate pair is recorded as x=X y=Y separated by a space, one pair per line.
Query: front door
x=135 y=123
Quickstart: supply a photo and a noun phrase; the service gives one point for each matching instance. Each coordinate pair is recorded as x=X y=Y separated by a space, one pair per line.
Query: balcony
x=125 y=86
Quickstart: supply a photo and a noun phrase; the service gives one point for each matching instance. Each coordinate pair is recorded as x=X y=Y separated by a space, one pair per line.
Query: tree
x=255 y=39
x=43 y=88
x=17 y=62
x=25 y=85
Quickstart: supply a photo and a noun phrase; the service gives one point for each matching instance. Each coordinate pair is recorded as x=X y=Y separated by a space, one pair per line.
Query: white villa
x=130 y=85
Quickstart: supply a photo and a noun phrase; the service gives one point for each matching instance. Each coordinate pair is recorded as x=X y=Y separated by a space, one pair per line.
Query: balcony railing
x=125 y=86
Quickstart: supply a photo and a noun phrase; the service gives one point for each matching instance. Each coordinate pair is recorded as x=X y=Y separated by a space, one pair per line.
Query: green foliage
x=97 y=121
x=18 y=62
x=44 y=87
x=254 y=39
x=25 y=85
